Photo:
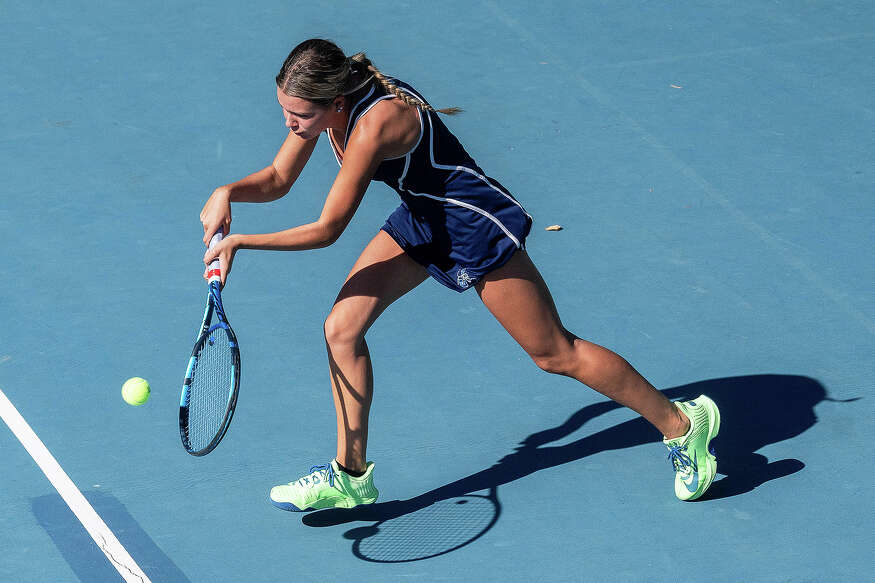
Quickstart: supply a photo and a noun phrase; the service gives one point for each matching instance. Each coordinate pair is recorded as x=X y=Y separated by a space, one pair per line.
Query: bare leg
x=382 y=274
x=518 y=297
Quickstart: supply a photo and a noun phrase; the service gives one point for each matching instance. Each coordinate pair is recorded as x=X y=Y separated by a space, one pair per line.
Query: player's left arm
x=389 y=130
x=375 y=138
x=362 y=156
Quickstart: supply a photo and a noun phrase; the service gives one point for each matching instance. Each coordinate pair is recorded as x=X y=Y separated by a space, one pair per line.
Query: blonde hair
x=317 y=70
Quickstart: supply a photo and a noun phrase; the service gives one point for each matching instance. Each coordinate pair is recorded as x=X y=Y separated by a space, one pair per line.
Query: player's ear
x=339 y=103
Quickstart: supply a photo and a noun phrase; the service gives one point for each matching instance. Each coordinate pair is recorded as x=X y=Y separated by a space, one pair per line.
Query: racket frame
x=214 y=307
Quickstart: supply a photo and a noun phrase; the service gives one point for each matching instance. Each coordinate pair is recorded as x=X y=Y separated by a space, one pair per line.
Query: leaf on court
x=554 y=228
x=673 y=86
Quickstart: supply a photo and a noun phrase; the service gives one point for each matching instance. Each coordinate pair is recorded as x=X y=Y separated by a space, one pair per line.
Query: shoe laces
x=679 y=458
x=317 y=475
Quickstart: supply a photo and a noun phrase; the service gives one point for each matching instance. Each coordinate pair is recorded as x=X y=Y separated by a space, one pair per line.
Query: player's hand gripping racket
x=209 y=392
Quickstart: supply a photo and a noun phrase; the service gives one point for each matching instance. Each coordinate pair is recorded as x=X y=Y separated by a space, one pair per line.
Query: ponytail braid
x=364 y=62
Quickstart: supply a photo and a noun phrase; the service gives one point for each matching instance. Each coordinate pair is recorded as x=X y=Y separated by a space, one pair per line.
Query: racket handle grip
x=214 y=272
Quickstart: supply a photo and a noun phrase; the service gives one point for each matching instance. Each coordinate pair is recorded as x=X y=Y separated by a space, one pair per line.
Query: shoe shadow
x=755 y=411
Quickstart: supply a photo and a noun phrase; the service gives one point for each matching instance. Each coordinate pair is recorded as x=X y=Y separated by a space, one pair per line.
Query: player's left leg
x=518 y=297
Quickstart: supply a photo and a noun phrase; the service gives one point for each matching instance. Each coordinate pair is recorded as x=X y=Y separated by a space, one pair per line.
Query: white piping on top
x=354 y=119
x=473 y=208
x=469 y=171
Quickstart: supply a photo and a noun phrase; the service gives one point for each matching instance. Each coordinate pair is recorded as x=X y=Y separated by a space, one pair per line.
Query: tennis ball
x=136 y=391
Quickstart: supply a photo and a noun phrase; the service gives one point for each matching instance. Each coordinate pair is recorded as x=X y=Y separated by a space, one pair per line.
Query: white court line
x=103 y=537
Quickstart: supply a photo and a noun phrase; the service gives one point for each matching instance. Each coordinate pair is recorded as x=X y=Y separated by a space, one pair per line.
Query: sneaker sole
x=288 y=506
x=710 y=459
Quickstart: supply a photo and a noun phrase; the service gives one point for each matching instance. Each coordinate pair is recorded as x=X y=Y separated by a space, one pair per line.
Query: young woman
x=454 y=224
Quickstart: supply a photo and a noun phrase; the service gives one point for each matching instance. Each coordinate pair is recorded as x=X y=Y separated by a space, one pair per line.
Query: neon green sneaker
x=326 y=487
x=693 y=462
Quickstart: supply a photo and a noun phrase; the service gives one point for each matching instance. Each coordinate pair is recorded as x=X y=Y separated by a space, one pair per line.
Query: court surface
x=711 y=164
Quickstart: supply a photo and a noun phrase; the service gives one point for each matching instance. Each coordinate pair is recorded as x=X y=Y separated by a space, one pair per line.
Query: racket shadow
x=756 y=411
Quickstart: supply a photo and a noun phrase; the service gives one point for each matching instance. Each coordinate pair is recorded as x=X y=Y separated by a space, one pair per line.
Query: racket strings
x=211 y=387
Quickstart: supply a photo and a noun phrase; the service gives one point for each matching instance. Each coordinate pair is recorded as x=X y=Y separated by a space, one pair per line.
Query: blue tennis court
x=711 y=165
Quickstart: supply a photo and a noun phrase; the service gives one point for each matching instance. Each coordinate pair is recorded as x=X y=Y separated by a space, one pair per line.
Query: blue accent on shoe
x=287 y=506
x=693 y=484
x=330 y=472
x=679 y=458
x=681 y=461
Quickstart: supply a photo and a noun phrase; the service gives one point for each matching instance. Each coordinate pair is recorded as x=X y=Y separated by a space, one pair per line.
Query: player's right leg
x=382 y=274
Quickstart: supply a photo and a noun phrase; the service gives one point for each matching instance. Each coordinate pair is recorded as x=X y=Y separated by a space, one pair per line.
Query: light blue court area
x=711 y=164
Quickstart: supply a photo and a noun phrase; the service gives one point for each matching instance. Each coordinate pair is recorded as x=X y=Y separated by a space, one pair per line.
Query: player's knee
x=555 y=361
x=340 y=329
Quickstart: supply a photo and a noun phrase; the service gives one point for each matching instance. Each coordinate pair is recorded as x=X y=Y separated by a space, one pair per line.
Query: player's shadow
x=755 y=410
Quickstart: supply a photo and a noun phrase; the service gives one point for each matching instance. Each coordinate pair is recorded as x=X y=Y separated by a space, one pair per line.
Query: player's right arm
x=268 y=184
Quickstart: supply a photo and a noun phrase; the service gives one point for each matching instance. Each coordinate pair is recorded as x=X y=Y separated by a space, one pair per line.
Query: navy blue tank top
x=438 y=171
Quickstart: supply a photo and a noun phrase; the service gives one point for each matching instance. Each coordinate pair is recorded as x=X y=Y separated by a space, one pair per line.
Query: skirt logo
x=464 y=279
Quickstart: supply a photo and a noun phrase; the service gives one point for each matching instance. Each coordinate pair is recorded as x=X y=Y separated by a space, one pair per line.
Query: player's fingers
x=223 y=271
x=211 y=228
x=226 y=259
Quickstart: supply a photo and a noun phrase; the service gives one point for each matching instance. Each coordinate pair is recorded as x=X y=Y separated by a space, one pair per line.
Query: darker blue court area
x=83 y=557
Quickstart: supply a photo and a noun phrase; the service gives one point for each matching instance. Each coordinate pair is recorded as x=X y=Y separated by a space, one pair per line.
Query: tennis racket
x=212 y=380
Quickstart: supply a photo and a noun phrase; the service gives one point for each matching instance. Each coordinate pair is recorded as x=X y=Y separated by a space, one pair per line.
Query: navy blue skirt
x=463 y=234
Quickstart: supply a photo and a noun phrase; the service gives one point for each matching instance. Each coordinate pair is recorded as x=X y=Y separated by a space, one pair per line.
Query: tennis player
x=454 y=224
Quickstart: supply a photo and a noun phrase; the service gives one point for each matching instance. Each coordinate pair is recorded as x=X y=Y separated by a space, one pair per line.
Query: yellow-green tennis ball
x=136 y=391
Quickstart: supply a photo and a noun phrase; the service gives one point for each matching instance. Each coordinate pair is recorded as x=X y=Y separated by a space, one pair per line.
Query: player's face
x=305 y=118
